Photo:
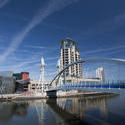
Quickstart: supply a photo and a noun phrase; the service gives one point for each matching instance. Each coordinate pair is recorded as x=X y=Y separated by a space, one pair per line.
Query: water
x=70 y=111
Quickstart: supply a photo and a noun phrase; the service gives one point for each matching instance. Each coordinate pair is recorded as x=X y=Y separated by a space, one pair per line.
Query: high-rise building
x=69 y=53
x=100 y=73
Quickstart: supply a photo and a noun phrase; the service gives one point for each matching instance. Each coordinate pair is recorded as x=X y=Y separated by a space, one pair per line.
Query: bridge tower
x=42 y=75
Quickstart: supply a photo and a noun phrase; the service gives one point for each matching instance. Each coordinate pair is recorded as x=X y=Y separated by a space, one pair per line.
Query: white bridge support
x=42 y=76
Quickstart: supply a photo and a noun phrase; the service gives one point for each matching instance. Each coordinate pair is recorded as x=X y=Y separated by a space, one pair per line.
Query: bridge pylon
x=42 y=76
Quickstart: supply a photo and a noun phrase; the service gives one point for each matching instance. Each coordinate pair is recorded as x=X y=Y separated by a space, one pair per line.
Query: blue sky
x=30 y=29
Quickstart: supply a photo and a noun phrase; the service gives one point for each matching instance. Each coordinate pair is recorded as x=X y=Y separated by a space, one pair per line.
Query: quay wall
x=30 y=96
x=76 y=93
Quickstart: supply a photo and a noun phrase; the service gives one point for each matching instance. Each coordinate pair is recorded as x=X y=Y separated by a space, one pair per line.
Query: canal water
x=65 y=111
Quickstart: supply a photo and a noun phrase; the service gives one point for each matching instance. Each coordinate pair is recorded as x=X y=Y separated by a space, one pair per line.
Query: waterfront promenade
x=30 y=96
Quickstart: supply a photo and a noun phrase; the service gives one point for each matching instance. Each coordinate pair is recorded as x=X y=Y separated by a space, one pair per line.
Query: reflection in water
x=46 y=114
x=7 y=110
x=61 y=111
x=78 y=106
x=75 y=109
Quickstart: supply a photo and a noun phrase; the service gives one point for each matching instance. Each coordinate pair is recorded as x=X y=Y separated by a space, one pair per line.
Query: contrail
x=51 y=7
x=113 y=60
x=105 y=49
x=3 y=3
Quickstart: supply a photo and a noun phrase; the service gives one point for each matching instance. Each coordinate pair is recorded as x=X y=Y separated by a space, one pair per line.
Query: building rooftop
x=69 y=43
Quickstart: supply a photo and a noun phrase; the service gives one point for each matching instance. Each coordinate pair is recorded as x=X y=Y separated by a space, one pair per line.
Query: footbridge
x=112 y=77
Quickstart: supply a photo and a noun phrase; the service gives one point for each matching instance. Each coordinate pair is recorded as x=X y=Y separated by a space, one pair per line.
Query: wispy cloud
x=42 y=47
x=3 y=3
x=52 y=58
x=36 y=47
x=104 y=50
x=51 y=7
x=20 y=65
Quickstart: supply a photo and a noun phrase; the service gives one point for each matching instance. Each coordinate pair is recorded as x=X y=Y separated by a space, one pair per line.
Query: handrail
x=122 y=61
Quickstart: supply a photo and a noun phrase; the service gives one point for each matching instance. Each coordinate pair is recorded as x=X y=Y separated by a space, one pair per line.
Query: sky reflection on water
x=65 y=111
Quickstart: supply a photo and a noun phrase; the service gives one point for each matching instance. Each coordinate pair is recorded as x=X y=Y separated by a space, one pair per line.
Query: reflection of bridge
x=76 y=108
x=92 y=83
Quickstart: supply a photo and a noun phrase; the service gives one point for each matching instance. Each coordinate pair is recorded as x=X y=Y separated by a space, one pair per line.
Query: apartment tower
x=69 y=53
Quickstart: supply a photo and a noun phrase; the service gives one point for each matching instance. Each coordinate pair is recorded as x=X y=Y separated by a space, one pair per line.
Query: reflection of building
x=69 y=53
x=7 y=110
x=78 y=106
x=100 y=73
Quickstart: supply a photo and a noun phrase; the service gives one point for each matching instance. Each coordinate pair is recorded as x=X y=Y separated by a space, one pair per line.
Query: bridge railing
x=113 y=71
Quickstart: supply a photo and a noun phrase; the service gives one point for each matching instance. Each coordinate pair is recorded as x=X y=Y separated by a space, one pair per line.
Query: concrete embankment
x=85 y=94
x=22 y=96
x=29 y=96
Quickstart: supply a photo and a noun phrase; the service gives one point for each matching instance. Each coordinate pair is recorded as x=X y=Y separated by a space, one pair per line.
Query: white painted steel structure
x=83 y=84
x=42 y=75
